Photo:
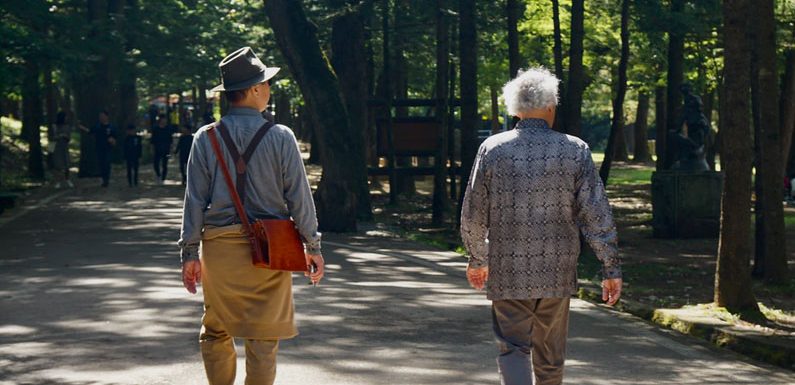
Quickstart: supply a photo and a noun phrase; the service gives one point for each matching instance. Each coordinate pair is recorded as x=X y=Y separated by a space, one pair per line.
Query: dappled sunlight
x=103 y=303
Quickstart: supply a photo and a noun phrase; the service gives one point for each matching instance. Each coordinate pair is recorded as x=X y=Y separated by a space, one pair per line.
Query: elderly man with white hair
x=532 y=193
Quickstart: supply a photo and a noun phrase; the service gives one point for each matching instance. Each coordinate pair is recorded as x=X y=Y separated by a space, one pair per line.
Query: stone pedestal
x=686 y=204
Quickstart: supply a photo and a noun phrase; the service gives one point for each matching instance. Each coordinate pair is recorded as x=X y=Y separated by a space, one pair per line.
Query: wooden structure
x=418 y=136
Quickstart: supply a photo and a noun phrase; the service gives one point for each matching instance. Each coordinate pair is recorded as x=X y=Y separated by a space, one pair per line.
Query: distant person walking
x=241 y=300
x=62 y=135
x=133 y=148
x=162 y=138
x=105 y=138
x=183 y=150
x=531 y=193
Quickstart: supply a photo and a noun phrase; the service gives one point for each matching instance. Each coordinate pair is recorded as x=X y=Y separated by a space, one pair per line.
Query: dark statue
x=689 y=142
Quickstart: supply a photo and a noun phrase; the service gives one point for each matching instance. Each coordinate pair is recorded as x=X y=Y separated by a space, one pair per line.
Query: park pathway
x=90 y=294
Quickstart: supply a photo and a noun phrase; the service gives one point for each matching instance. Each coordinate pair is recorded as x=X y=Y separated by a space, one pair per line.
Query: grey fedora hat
x=242 y=69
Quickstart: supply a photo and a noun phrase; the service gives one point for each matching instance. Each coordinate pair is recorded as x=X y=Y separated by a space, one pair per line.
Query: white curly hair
x=532 y=89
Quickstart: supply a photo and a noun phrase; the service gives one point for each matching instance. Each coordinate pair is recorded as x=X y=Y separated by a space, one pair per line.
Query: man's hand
x=611 y=290
x=191 y=274
x=317 y=259
x=477 y=277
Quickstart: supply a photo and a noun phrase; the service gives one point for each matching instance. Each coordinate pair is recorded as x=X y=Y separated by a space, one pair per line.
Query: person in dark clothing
x=161 y=141
x=105 y=138
x=183 y=149
x=133 y=147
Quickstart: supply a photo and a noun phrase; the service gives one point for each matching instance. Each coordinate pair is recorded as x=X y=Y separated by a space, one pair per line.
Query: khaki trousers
x=245 y=302
x=531 y=335
x=220 y=358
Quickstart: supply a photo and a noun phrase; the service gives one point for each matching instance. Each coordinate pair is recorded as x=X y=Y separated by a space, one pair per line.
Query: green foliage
x=174 y=45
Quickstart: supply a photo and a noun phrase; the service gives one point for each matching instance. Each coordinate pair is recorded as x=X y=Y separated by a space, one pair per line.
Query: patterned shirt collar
x=532 y=124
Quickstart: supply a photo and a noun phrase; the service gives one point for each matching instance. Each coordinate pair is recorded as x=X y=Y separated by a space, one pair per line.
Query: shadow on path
x=90 y=293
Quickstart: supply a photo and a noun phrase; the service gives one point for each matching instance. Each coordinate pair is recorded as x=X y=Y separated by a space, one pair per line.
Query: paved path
x=90 y=294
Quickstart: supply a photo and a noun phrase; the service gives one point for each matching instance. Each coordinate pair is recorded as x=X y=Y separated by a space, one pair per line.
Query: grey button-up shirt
x=276 y=185
x=531 y=193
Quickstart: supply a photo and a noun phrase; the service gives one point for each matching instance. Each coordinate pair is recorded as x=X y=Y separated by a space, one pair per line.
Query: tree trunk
x=441 y=202
x=51 y=100
x=621 y=152
x=93 y=89
x=558 y=53
x=660 y=122
x=32 y=118
x=576 y=86
x=469 y=90
x=282 y=101
x=514 y=12
x=772 y=253
x=350 y=62
x=344 y=168
x=617 y=125
x=641 y=129
x=787 y=108
x=128 y=92
x=676 y=63
x=400 y=86
x=732 y=275
x=386 y=87
x=711 y=148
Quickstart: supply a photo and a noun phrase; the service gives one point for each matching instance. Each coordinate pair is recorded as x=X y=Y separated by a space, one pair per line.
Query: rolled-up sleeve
x=475 y=213
x=298 y=194
x=197 y=198
x=595 y=218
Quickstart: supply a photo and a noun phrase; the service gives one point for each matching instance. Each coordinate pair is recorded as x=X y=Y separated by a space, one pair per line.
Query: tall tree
x=94 y=83
x=514 y=11
x=469 y=88
x=617 y=125
x=787 y=107
x=660 y=122
x=128 y=91
x=557 y=50
x=641 y=128
x=732 y=275
x=349 y=60
x=399 y=77
x=32 y=117
x=676 y=65
x=771 y=258
x=342 y=157
x=572 y=115
x=441 y=202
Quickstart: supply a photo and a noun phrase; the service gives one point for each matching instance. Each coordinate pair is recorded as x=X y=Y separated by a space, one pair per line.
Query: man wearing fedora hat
x=241 y=300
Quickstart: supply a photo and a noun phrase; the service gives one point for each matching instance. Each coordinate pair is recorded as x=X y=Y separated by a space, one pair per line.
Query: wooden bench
x=415 y=136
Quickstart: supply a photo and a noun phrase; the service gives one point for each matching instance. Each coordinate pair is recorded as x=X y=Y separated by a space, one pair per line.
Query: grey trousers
x=531 y=335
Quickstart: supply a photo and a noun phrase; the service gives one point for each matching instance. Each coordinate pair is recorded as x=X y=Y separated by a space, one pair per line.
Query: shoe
x=58 y=185
x=70 y=184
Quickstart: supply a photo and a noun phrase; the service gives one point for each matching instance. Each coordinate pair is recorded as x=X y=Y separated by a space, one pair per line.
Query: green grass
x=789 y=219
x=630 y=176
x=14 y=174
x=623 y=175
